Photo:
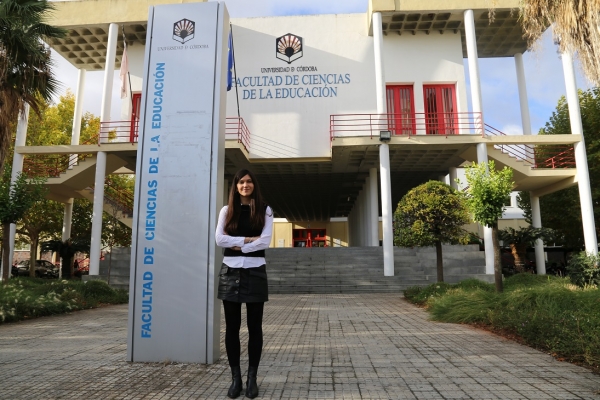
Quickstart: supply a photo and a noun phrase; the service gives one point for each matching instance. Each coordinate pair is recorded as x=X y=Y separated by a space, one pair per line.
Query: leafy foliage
x=16 y=198
x=22 y=298
x=25 y=63
x=487 y=191
x=526 y=235
x=584 y=269
x=430 y=213
x=561 y=210
x=548 y=313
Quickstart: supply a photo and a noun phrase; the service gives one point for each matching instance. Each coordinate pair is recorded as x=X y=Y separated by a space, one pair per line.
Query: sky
x=543 y=69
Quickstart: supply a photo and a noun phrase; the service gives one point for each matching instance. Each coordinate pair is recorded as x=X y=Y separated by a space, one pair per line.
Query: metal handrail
x=235 y=127
x=405 y=124
x=536 y=156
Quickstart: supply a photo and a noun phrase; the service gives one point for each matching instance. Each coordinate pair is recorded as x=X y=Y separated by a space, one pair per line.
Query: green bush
x=23 y=298
x=548 y=313
x=584 y=269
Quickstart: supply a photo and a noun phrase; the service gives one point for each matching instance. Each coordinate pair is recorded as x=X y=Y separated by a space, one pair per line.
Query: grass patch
x=23 y=298
x=548 y=313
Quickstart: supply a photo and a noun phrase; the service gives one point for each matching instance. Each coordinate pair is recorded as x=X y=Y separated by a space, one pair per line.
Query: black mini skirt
x=243 y=285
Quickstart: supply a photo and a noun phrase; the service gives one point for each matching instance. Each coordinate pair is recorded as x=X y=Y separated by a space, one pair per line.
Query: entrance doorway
x=309 y=237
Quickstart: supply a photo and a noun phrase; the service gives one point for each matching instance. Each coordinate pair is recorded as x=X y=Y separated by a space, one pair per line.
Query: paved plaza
x=366 y=346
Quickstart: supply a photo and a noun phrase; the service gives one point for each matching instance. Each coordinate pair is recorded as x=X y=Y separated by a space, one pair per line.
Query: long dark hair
x=234 y=209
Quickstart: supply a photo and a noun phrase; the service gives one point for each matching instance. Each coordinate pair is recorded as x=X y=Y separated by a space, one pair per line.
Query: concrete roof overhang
x=502 y=37
x=88 y=20
x=317 y=190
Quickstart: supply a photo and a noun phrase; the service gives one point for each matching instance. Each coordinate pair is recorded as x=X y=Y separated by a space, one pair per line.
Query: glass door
x=440 y=110
x=400 y=108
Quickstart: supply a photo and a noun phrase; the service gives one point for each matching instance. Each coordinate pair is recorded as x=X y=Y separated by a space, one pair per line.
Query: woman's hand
x=236 y=248
x=250 y=239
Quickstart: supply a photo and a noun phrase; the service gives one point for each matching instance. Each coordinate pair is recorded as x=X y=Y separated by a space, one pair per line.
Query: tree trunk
x=5 y=252
x=33 y=254
x=497 y=260
x=66 y=267
x=519 y=252
x=440 y=261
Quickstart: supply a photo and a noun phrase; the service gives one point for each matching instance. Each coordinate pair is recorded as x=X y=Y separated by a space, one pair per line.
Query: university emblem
x=183 y=30
x=288 y=48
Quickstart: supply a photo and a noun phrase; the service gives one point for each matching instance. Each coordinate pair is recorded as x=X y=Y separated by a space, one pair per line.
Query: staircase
x=342 y=270
x=360 y=269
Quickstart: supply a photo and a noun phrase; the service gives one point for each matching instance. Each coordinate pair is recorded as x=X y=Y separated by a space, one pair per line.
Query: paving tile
x=359 y=346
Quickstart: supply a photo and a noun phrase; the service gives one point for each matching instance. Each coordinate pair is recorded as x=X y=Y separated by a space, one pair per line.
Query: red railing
x=235 y=128
x=444 y=124
x=127 y=131
x=540 y=156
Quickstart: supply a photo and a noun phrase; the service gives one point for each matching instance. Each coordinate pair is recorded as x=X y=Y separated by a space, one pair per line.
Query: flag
x=230 y=61
x=123 y=73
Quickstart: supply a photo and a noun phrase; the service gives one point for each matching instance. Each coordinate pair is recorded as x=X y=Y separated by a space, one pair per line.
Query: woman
x=244 y=230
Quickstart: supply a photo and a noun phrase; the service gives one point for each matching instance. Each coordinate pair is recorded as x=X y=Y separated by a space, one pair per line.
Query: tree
x=486 y=194
x=42 y=221
x=561 y=210
x=575 y=27
x=25 y=64
x=429 y=215
x=15 y=199
x=520 y=239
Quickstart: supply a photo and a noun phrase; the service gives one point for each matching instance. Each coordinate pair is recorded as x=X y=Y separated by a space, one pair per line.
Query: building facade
x=337 y=115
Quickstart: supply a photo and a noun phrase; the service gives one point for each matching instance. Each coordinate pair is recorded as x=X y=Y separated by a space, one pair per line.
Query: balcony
x=127 y=131
x=441 y=124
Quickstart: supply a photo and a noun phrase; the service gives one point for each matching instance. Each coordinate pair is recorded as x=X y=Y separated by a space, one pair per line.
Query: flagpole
x=128 y=73
x=237 y=98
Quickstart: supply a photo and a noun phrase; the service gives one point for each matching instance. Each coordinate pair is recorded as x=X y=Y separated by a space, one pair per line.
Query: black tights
x=233 y=322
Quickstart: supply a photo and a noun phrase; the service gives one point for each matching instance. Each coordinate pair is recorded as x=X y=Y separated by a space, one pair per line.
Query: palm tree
x=25 y=64
x=575 y=25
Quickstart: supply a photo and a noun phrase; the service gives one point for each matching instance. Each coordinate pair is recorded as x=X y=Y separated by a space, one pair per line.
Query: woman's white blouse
x=224 y=240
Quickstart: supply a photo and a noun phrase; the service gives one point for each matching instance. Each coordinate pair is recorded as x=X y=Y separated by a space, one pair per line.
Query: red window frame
x=401 y=109
x=441 y=117
x=136 y=101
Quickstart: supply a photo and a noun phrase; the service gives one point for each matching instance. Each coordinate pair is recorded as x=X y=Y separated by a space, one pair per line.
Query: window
x=400 y=108
x=440 y=110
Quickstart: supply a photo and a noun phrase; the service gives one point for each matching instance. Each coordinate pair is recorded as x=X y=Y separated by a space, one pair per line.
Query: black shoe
x=236 y=386
x=251 y=385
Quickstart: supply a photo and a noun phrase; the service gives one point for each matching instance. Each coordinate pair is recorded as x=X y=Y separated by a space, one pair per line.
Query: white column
x=78 y=107
x=379 y=70
x=583 y=176
x=374 y=207
x=98 y=209
x=386 y=206
x=453 y=172
x=367 y=213
x=17 y=167
x=536 y=218
x=525 y=119
x=67 y=219
x=476 y=101
x=359 y=219
x=109 y=71
x=536 y=222
x=384 y=154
